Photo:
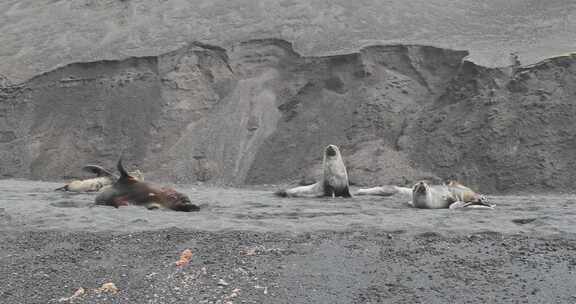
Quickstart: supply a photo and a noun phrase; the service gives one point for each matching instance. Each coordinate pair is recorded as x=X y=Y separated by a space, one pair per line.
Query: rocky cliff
x=259 y=112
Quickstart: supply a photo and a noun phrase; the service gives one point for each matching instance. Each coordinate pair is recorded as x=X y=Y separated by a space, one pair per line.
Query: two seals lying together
x=130 y=189
x=423 y=195
x=335 y=183
x=103 y=179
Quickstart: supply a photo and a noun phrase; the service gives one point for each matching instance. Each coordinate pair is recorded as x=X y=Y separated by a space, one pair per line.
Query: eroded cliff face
x=503 y=132
x=259 y=112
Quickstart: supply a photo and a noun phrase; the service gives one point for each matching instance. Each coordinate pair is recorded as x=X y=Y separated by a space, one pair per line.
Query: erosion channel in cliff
x=259 y=112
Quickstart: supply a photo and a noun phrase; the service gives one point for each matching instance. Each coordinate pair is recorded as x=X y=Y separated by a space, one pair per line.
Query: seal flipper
x=99 y=171
x=125 y=177
x=281 y=193
x=314 y=190
x=459 y=204
x=63 y=188
x=329 y=191
x=120 y=167
x=153 y=206
x=344 y=192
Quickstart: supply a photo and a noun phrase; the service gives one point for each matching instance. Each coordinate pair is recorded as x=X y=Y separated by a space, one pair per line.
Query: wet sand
x=279 y=250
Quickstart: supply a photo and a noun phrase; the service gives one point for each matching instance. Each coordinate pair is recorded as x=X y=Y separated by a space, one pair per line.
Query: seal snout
x=186 y=207
x=420 y=187
x=178 y=201
x=331 y=150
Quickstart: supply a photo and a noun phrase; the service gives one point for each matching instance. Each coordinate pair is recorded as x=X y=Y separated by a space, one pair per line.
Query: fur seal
x=103 y=179
x=334 y=181
x=128 y=190
x=450 y=195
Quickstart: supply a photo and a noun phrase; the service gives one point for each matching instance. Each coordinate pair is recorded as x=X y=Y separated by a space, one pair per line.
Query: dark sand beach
x=251 y=247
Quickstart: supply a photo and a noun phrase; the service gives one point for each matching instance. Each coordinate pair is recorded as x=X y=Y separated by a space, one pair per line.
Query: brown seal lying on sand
x=128 y=190
x=334 y=179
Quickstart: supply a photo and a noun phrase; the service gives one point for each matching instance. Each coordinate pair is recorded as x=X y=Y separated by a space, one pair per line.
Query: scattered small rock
x=233 y=295
x=108 y=288
x=523 y=221
x=262 y=287
x=80 y=292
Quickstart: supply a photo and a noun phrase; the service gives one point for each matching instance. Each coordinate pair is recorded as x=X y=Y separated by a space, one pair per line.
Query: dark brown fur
x=127 y=190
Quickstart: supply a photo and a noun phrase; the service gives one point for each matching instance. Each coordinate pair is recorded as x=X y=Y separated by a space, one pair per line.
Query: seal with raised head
x=450 y=195
x=334 y=181
x=128 y=190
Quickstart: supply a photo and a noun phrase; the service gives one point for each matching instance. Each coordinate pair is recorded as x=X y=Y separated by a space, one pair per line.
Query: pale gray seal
x=103 y=179
x=423 y=195
x=334 y=181
x=450 y=195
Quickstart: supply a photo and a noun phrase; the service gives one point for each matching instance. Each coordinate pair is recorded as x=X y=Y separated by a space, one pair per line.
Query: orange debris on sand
x=185 y=258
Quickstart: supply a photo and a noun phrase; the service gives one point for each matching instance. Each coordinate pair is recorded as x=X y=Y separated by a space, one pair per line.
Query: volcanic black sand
x=251 y=247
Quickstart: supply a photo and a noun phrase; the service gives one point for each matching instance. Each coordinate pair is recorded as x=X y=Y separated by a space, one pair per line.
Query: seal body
x=385 y=191
x=334 y=182
x=451 y=195
x=87 y=185
x=102 y=180
x=128 y=190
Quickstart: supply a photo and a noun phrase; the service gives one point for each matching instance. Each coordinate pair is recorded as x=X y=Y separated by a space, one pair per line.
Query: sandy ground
x=251 y=247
